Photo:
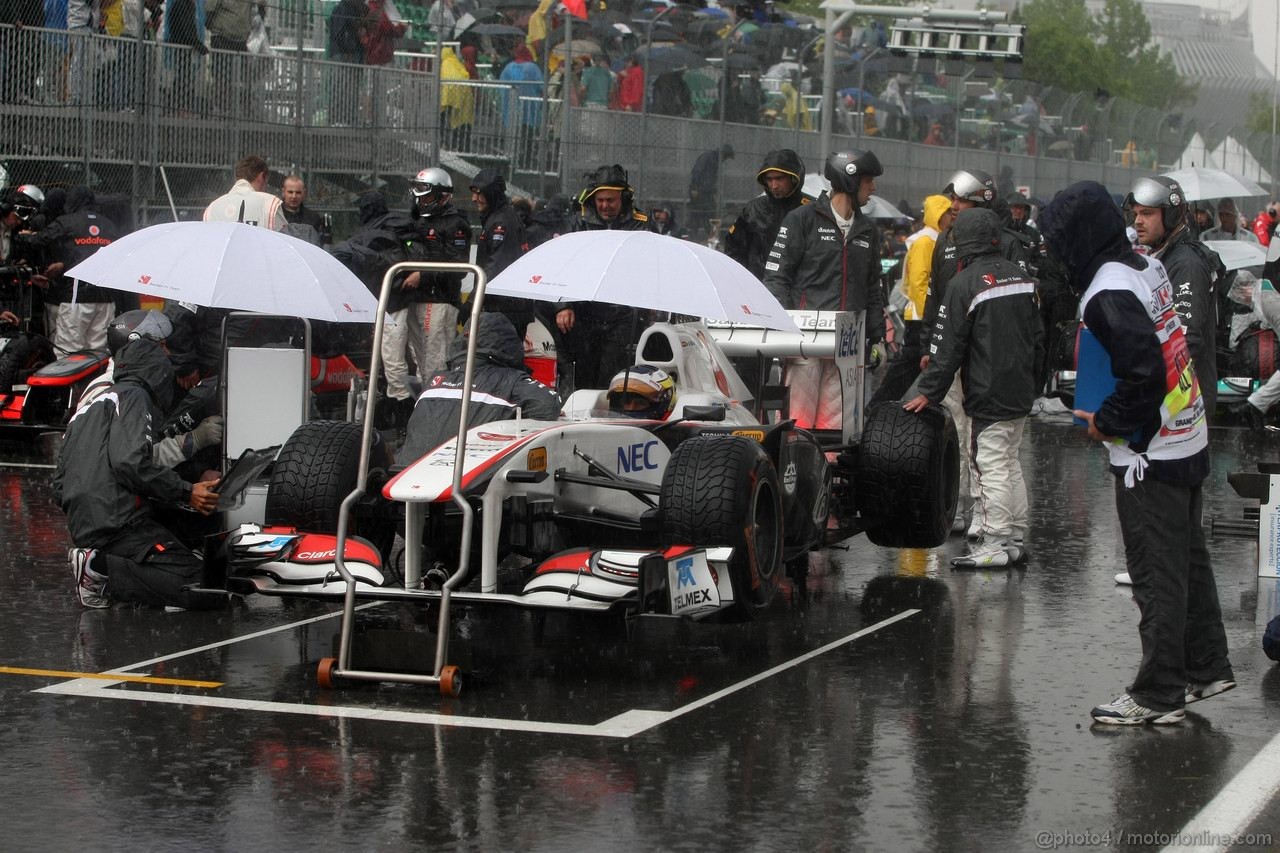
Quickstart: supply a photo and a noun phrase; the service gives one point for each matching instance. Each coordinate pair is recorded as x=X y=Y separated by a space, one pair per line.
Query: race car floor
x=895 y=705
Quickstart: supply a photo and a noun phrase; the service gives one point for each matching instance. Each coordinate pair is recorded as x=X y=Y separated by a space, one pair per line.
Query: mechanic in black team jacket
x=989 y=323
x=1159 y=467
x=829 y=260
x=499 y=384
x=106 y=481
x=502 y=240
x=752 y=235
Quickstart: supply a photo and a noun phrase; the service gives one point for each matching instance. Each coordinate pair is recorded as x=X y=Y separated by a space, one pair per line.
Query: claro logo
x=317 y=555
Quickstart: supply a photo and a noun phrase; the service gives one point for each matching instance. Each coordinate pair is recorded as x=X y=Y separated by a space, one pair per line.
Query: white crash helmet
x=429 y=187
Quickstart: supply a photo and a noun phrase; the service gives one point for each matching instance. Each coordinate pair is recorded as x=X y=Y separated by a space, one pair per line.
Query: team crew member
x=829 y=260
x=500 y=383
x=248 y=201
x=1161 y=216
x=967 y=189
x=990 y=324
x=435 y=297
x=502 y=240
x=596 y=336
x=1160 y=465
x=83 y=310
x=752 y=235
x=106 y=480
x=295 y=211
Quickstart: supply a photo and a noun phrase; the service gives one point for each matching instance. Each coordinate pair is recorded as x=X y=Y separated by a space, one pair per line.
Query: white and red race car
x=701 y=515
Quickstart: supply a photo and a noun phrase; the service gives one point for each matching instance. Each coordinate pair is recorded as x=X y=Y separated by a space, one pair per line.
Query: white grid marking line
x=624 y=725
x=1238 y=804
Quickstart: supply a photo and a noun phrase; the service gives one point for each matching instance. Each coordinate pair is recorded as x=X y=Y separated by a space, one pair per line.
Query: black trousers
x=904 y=368
x=146 y=564
x=1181 y=622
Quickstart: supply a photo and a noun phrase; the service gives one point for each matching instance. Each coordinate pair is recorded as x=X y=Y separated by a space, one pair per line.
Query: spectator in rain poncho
x=457 y=103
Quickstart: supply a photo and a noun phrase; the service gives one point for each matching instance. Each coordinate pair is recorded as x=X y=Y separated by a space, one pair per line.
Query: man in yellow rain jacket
x=457 y=102
x=905 y=366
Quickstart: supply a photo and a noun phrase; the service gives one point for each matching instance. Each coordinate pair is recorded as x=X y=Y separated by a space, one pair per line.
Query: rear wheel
x=723 y=491
x=908 y=476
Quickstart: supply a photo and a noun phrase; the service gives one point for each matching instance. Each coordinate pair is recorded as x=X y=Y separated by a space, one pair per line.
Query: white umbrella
x=875 y=208
x=1199 y=183
x=642 y=270
x=231 y=265
x=1237 y=254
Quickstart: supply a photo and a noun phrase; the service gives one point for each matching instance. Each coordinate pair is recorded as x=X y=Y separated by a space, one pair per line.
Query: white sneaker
x=974 y=533
x=1124 y=711
x=91 y=587
x=1123 y=579
x=1197 y=691
x=1006 y=552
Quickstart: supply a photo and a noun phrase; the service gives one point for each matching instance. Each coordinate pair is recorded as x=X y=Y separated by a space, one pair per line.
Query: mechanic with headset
x=597 y=337
x=642 y=391
x=1161 y=216
x=829 y=260
x=500 y=384
x=108 y=482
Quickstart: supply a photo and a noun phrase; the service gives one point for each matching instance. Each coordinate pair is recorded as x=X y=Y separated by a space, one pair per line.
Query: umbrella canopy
x=578 y=47
x=641 y=269
x=1198 y=183
x=231 y=265
x=670 y=58
x=742 y=62
x=1237 y=254
x=496 y=30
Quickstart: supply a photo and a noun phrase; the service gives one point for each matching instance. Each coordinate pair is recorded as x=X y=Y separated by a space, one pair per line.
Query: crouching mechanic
x=500 y=384
x=989 y=323
x=107 y=480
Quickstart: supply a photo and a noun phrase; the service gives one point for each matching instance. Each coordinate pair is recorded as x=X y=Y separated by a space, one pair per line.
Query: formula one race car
x=698 y=515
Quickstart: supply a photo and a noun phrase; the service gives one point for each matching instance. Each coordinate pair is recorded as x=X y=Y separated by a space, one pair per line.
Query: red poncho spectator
x=380 y=35
x=631 y=87
x=469 y=61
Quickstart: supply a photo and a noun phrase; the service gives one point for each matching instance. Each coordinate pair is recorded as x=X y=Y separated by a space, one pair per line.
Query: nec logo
x=637 y=457
x=828 y=238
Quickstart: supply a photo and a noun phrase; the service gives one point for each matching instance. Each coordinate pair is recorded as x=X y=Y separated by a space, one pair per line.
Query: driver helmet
x=136 y=325
x=642 y=391
x=26 y=201
x=844 y=169
x=1160 y=191
x=974 y=185
x=429 y=188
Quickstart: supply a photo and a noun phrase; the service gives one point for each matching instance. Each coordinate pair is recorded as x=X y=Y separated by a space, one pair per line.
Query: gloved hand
x=208 y=432
x=875 y=353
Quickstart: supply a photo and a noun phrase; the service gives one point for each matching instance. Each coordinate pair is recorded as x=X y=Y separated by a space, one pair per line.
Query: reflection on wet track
x=960 y=724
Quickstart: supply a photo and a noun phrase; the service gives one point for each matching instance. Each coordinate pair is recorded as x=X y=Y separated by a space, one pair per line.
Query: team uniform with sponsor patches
x=988 y=325
x=828 y=265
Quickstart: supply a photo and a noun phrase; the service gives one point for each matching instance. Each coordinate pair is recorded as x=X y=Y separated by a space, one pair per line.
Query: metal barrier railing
x=110 y=111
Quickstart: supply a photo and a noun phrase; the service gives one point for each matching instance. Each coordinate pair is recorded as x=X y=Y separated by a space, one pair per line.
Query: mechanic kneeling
x=106 y=482
x=500 y=384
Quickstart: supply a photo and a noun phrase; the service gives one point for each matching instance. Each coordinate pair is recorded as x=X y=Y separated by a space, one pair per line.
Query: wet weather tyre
x=313 y=474
x=908 y=476
x=1257 y=355
x=723 y=491
x=450 y=681
x=324 y=673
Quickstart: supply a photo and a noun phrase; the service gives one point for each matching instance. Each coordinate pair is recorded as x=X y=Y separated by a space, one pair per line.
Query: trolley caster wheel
x=450 y=681
x=324 y=673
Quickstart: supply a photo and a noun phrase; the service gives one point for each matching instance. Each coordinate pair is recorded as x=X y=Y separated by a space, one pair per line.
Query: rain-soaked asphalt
x=962 y=726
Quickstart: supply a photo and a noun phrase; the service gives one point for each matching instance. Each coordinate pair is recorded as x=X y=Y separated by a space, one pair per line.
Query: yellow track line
x=108 y=676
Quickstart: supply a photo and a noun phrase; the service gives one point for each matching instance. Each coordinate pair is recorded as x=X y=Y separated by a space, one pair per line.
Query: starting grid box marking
x=624 y=725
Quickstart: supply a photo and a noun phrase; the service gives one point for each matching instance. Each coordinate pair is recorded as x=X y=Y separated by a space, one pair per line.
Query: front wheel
x=723 y=491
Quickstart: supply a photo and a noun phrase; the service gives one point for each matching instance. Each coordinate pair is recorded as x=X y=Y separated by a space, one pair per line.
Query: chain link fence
x=111 y=111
